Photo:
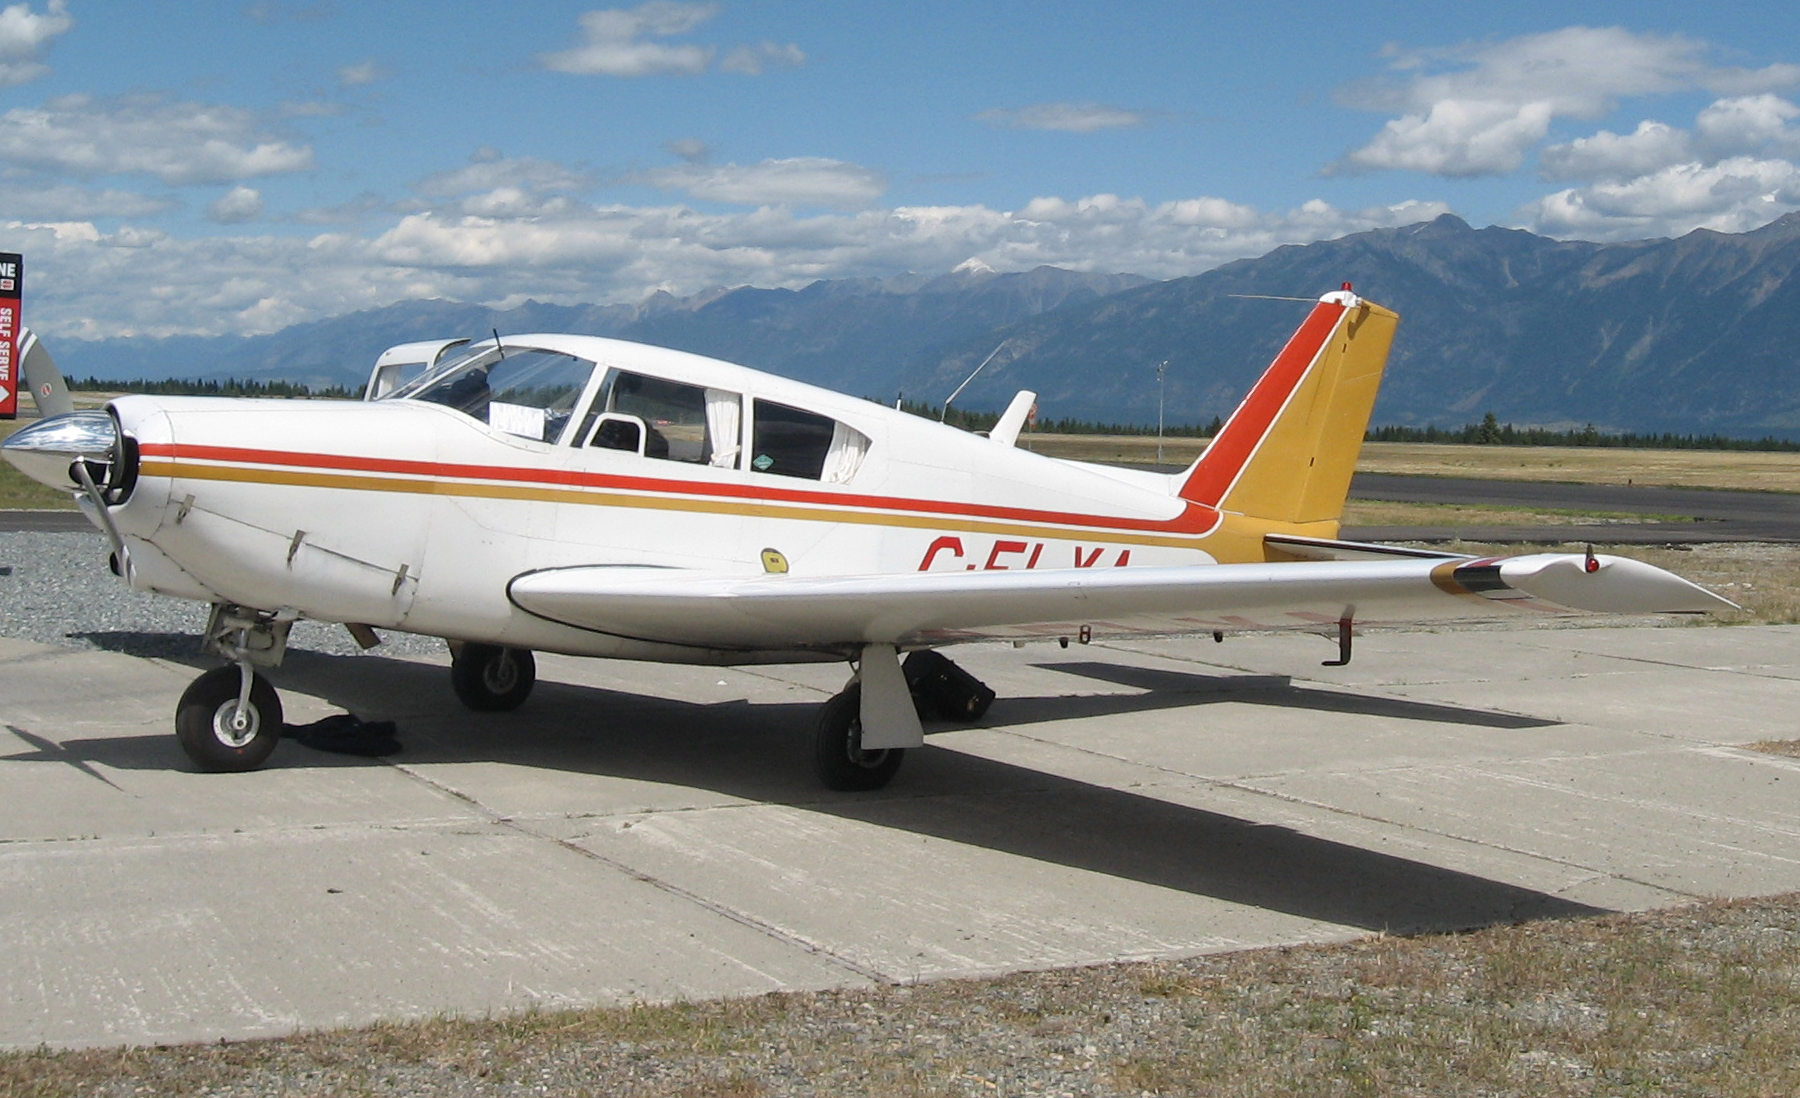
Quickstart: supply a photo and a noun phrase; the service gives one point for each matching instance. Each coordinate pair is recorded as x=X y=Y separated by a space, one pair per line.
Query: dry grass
x=1692 y=1001
x=19 y=492
x=1790 y=748
x=1775 y=472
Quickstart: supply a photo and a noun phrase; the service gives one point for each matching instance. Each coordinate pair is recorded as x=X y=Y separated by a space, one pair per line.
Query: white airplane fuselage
x=409 y=515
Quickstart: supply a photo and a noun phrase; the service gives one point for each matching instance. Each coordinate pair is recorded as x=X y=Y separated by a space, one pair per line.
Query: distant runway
x=12 y=522
x=1709 y=515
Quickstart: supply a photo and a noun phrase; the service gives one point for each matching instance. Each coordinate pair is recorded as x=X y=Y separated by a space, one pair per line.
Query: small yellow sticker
x=773 y=561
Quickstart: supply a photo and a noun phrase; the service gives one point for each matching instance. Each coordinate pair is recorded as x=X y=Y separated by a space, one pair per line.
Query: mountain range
x=1698 y=334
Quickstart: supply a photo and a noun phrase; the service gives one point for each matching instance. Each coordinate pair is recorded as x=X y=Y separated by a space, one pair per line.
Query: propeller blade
x=41 y=377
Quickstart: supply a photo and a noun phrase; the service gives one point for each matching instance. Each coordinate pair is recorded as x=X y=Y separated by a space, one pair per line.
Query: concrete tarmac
x=648 y=832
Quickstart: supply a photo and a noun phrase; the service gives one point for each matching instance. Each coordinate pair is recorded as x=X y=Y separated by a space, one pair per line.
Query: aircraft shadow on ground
x=178 y=647
x=1182 y=688
x=761 y=753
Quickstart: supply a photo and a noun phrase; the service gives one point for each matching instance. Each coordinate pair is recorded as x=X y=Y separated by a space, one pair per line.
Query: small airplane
x=596 y=497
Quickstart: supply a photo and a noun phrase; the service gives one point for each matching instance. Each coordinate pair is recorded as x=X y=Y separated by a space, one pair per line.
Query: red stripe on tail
x=1218 y=468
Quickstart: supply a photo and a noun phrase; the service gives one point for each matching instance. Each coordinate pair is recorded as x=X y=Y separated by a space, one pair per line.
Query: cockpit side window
x=790 y=442
x=680 y=422
x=525 y=392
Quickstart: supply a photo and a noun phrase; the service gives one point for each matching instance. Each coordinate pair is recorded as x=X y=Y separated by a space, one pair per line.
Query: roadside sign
x=12 y=278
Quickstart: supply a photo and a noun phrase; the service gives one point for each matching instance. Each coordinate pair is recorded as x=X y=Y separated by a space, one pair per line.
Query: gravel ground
x=55 y=589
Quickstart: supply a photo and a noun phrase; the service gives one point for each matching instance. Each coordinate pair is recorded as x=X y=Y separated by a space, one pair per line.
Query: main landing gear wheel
x=492 y=679
x=205 y=724
x=838 y=752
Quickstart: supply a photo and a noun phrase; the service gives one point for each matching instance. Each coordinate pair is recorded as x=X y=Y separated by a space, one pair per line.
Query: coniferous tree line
x=227 y=387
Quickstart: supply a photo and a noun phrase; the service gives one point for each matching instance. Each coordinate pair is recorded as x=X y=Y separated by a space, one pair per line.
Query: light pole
x=1160 y=367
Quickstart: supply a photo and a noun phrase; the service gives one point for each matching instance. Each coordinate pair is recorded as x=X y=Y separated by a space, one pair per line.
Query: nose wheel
x=225 y=728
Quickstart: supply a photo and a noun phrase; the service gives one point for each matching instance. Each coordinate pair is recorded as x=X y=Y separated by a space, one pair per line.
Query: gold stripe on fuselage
x=599 y=498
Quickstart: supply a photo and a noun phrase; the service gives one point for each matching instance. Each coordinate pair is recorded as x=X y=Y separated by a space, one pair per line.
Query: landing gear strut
x=935 y=687
x=229 y=719
x=491 y=679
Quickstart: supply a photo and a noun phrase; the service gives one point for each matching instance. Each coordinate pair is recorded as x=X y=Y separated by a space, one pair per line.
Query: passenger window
x=674 y=416
x=789 y=442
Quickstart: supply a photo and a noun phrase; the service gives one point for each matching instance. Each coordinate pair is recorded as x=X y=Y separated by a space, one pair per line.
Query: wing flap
x=753 y=612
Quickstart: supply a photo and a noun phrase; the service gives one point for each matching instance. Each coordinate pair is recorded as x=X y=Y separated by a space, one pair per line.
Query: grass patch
x=1727 y=469
x=19 y=492
x=1696 y=1000
x=1790 y=748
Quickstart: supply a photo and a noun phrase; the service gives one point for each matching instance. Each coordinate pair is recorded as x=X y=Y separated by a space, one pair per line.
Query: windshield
x=521 y=391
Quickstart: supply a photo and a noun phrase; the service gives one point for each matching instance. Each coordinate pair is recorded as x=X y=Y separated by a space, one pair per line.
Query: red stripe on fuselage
x=1226 y=456
x=1194 y=519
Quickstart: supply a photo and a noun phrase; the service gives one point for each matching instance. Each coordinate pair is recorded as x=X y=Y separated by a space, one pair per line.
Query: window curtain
x=848 y=445
x=724 y=413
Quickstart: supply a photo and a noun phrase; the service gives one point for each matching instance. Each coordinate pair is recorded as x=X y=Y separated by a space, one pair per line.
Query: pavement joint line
x=724 y=911
x=1751 y=671
x=1505 y=848
x=1636 y=802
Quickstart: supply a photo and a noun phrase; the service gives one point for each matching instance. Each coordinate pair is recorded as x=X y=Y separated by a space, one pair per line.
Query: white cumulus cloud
x=625 y=42
x=488 y=170
x=1480 y=108
x=1607 y=155
x=1750 y=124
x=58 y=202
x=365 y=72
x=797 y=181
x=1734 y=195
x=25 y=35
x=175 y=142
x=236 y=206
x=580 y=253
x=1068 y=117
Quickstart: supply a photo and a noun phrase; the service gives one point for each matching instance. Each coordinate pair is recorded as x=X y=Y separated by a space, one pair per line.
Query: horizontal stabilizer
x=1303 y=548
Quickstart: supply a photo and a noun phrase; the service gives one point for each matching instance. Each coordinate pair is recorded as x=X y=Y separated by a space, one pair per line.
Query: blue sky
x=203 y=167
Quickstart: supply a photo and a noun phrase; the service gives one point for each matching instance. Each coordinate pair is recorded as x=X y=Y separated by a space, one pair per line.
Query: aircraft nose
x=47 y=451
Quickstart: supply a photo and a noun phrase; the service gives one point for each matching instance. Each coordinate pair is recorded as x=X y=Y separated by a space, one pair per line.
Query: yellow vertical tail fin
x=1286 y=455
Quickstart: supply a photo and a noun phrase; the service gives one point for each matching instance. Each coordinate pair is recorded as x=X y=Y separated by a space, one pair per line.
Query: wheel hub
x=235 y=727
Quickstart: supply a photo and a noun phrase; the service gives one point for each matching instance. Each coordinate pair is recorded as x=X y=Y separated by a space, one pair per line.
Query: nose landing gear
x=229 y=719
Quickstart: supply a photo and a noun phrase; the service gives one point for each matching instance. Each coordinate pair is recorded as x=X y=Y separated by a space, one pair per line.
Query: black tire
x=491 y=679
x=203 y=722
x=837 y=748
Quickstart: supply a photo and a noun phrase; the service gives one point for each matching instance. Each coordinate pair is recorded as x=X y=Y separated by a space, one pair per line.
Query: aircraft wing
x=763 y=612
